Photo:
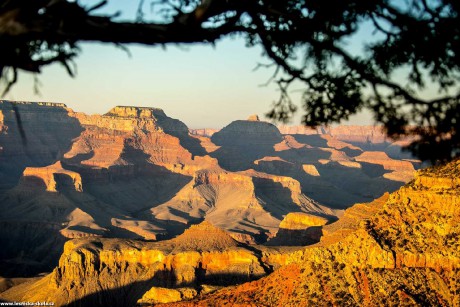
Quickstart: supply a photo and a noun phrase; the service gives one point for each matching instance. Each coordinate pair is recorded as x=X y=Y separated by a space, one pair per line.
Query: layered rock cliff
x=299 y=229
x=329 y=170
x=238 y=202
x=403 y=250
x=112 y=272
x=244 y=141
x=135 y=173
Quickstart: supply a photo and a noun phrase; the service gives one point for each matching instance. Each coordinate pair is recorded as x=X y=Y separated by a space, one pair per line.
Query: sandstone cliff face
x=119 y=273
x=299 y=229
x=372 y=135
x=86 y=175
x=131 y=173
x=49 y=176
x=298 y=220
x=399 y=170
x=404 y=252
x=147 y=131
x=310 y=170
x=135 y=173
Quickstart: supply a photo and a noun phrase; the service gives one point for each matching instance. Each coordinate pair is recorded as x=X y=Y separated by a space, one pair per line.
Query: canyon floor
x=133 y=207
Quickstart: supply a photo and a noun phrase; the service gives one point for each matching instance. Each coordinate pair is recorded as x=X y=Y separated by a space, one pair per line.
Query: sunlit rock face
x=401 y=249
x=398 y=170
x=299 y=229
x=331 y=164
x=229 y=200
x=310 y=170
x=139 y=135
x=86 y=175
x=118 y=272
x=49 y=176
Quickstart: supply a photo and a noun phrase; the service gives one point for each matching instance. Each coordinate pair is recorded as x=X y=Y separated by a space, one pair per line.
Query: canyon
x=400 y=249
x=134 y=204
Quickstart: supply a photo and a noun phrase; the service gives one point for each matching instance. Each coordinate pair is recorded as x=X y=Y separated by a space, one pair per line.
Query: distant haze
x=203 y=86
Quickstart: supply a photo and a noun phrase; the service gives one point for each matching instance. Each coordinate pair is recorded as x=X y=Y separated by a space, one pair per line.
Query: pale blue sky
x=203 y=86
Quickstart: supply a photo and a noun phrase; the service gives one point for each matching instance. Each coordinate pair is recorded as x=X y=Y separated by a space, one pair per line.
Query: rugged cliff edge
x=403 y=250
x=112 y=272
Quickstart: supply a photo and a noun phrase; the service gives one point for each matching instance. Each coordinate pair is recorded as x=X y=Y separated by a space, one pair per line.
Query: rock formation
x=137 y=198
x=237 y=202
x=399 y=170
x=48 y=175
x=113 y=272
x=299 y=220
x=299 y=229
x=310 y=169
x=244 y=141
x=402 y=249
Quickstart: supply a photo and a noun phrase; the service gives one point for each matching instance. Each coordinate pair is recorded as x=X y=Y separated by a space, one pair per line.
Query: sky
x=202 y=85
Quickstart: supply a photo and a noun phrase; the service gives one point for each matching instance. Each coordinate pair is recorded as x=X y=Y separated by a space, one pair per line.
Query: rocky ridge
x=112 y=272
x=403 y=250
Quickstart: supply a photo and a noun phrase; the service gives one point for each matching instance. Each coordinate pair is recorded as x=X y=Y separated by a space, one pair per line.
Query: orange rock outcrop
x=310 y=170
x=135 y=173
x=121 y=273
x=400 y=250
x=299 y=220
x=299 y=229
